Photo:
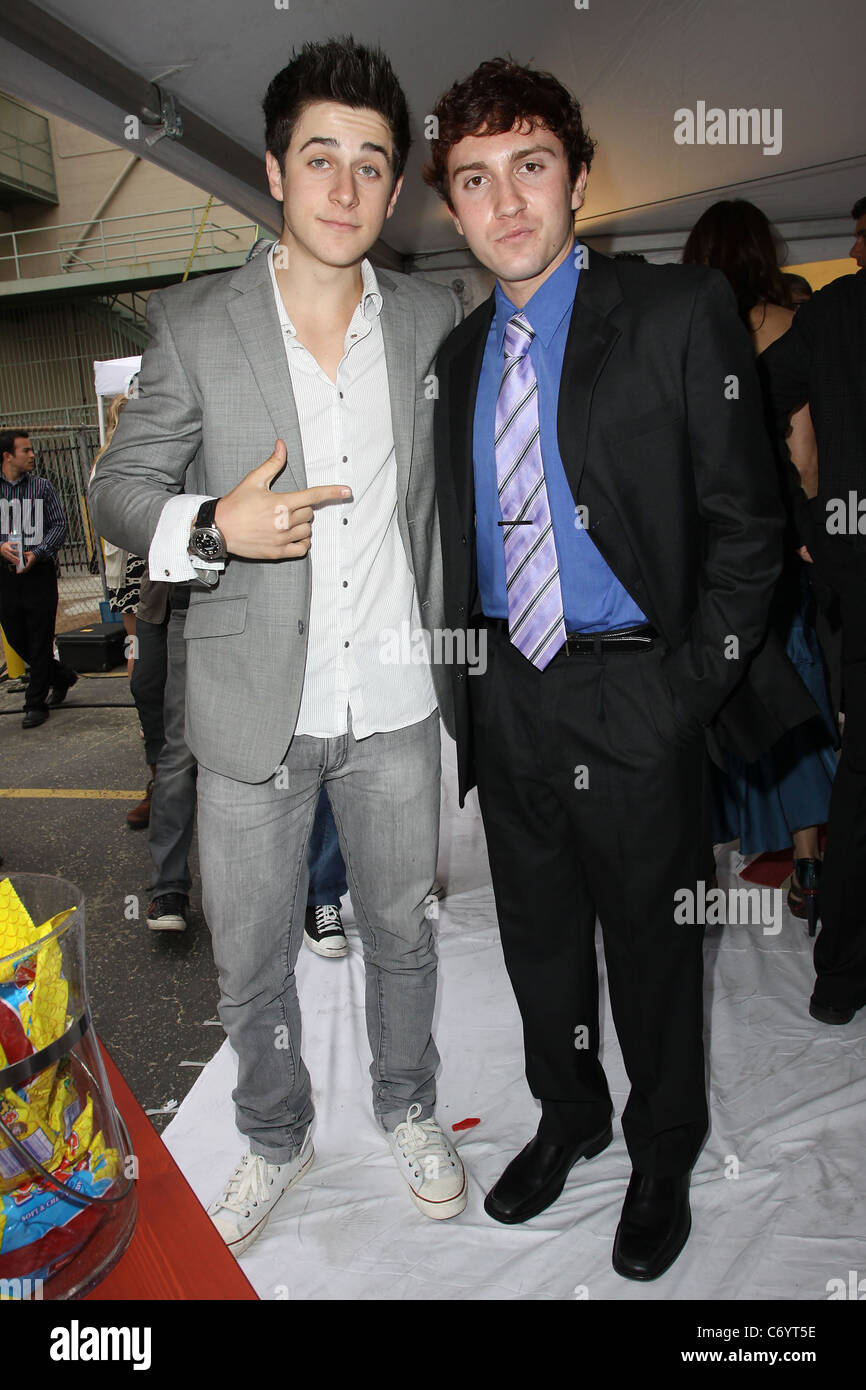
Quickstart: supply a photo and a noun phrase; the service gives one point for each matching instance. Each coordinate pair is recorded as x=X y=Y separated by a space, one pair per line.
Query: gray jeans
x=384 y=791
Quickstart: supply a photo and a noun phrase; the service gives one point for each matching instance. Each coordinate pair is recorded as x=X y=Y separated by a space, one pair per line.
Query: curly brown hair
x=496 y=97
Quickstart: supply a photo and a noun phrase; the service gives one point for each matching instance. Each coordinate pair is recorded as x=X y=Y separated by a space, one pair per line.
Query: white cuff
x=168 y=558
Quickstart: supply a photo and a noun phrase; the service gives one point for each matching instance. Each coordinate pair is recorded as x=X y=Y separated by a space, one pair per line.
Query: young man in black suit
x=610 y=518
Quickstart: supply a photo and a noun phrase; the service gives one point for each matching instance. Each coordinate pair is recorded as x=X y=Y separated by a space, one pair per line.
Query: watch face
x=208 y=545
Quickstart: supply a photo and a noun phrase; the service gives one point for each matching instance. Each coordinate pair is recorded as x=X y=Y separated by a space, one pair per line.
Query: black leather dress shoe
x=654 y=1226
x=534 y=1179
x=34 y=717
x=827 y=1013
x=58 y=693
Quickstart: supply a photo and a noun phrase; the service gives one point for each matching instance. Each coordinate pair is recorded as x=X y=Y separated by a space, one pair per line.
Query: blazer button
x=300 y=628
x=460 y=675
x=463 y=540
x=460 y=609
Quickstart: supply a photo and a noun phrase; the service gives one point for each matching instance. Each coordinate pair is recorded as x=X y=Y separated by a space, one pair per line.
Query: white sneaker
x=241 y=1213
x=430 y=1166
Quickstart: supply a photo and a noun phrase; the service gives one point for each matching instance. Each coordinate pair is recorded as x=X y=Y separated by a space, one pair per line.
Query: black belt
x=622 y=639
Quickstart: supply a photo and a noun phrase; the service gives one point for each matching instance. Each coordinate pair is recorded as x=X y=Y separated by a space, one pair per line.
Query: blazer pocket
x=216 y=617
x=632 y=427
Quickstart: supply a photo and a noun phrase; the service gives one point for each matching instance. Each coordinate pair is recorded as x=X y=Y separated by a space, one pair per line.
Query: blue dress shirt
x=593 y=599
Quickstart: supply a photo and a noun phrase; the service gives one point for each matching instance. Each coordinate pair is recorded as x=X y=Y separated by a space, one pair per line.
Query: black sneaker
x=323 y=931
x=168 y=912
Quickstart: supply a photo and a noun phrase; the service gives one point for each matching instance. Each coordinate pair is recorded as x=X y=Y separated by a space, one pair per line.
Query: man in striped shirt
x=32 y=528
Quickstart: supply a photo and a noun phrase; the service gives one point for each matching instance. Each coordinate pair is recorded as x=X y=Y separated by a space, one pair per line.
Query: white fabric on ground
x=788 y=1101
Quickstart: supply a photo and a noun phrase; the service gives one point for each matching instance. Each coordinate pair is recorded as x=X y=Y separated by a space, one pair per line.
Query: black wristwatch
x=206 y=541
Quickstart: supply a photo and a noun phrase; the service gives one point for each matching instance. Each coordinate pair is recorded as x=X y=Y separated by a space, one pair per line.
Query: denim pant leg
x=172 y=808
x=385 y=797
x=252 y=847
x=327 y=870
x=147 y=683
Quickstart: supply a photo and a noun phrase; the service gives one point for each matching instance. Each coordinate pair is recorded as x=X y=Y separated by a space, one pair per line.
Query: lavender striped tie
x=535 y=618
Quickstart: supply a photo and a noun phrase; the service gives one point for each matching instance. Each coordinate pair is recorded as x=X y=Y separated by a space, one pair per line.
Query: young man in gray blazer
x=312 y=557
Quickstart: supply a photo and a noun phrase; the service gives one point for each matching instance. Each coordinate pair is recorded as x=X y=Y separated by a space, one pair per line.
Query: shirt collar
x=371 y=295
x=547 y=307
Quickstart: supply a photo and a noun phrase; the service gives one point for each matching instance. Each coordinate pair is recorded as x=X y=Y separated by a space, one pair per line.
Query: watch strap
x=206 y=512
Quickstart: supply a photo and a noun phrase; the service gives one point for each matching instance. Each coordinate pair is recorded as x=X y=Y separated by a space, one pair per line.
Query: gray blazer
x=215 y=392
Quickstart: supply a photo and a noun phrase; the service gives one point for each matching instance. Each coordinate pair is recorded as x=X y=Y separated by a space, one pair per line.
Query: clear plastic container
x=67 y=1175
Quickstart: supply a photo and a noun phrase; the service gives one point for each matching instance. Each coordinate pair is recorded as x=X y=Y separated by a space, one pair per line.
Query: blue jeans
x=324 y=860
x=253 y=838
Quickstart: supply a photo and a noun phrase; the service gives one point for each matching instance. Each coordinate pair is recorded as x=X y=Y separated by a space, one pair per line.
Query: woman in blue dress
x=781 y=801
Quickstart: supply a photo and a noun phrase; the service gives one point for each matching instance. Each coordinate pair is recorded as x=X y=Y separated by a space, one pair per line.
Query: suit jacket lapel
x=463 y=389
x=591 y=337
x=254 y=315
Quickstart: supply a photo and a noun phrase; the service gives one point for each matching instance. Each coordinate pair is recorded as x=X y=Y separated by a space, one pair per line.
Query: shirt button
x=300 y=628
x=341 y=395
x=345 y=458
x=345 y=644
x=345 y=523
x=345 y=583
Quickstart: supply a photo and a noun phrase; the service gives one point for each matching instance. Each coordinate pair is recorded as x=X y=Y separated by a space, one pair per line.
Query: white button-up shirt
x=364 y=601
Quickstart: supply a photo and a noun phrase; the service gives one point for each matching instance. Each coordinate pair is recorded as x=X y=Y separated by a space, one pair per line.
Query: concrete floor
x=151 y=993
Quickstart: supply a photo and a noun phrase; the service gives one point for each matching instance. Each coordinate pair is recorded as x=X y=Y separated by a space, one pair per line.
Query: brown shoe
x=139 y=817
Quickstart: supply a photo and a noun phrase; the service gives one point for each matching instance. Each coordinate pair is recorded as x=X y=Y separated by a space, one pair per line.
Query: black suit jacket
x=662 y=436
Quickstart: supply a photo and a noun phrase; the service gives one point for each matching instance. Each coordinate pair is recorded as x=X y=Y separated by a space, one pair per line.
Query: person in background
x=147 y=683
x=323 y=925
x=820 y=360
x=797 y=287
x=173 y=789
x=858 y=249
x=123 y=572
x=32 y=530
x=781 y=800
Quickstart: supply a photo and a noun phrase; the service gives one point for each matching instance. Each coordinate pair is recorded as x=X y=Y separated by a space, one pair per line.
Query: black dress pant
x=147 y=683
x=595 y=801
x=840 y=948
x=28 y=612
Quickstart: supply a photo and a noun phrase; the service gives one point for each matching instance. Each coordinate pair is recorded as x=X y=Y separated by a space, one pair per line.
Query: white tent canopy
x=637 y=66
x=112 y=378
